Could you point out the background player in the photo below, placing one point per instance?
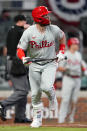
(40, 40)
(71, 80)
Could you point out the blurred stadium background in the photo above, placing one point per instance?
(69, 15)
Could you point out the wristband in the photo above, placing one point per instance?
(20, 53)
(62, 48)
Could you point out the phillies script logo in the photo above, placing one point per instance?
(76, 62)
(43, 44)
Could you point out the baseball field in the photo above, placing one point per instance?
(50, 123)
(26, 128)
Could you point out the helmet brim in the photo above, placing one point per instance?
(46, 13)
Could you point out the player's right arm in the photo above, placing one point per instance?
(62, 42)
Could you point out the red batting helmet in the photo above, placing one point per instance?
(38, 14)
(72, 41)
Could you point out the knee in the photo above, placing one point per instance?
(47, 88)
(65, 100)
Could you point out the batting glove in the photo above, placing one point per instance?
(24, 60)
(60, 56)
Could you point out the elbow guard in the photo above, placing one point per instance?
(20, 53)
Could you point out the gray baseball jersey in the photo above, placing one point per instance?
(70, 85)
(40, 45)
(73, 64)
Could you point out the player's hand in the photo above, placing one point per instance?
(60, 56)
(24, 60)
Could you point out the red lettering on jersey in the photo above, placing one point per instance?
(76, 62)
(43, 44)
(33, 37)
(32, 43)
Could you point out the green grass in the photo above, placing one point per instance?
(26, 128)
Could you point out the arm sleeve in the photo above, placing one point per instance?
(24, 41)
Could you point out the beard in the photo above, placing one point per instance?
(44, 24)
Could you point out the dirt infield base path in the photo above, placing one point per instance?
(46, 123)
(80, 117)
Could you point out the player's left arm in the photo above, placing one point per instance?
(62, 42)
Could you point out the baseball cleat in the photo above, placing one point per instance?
(37, 115)
(2, 113)
(36, 124)
(71, 120)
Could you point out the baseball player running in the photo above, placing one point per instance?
(39, 41)
(71, 80)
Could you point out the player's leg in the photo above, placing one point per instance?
(75, 98)
(67, 86)
(35, 79)
(47, 81)
(72, 113)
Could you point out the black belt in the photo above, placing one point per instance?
(44, 63)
